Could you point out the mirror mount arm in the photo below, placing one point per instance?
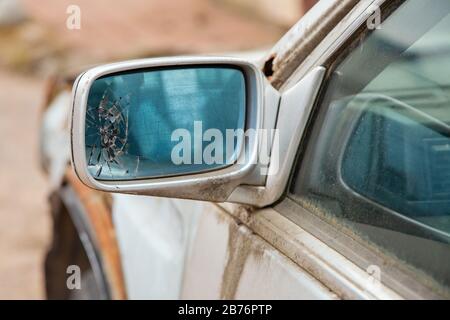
(295, 109)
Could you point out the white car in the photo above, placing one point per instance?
(340, 189)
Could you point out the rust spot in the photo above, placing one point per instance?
(304, 38)
(268, 66)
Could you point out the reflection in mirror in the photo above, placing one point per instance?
(396, 155)
(162, 122)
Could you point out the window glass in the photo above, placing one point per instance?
(378, 154)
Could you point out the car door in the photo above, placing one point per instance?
(366, 213)
(241, 253)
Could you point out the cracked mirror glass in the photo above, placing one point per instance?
(164, 122)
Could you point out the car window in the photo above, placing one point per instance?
(377, 156)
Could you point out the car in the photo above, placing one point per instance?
(335, 186)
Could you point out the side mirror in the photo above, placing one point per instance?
(170, 127)
(190, 127)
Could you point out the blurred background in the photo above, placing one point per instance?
(39, 40)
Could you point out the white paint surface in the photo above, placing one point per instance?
(153, 237)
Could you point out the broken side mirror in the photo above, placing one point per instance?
(193, 127)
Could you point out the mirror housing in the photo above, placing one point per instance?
(261, 167)
(214, 183)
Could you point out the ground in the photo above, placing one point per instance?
(109, 30)
(24, 219)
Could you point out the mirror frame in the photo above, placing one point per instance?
(214, 185)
